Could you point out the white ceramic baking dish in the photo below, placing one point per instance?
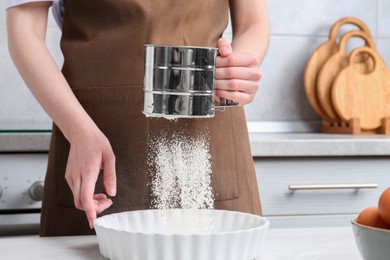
(174, 235)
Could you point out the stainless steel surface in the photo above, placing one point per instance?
(179, 79)
(23, 223)
(178, 105)
(21, 177)
(227, 103)
(18, 172)
(17, 142)
(180, 82)
(333, 186)
(180, 56)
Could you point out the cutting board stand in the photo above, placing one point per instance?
(353, 127)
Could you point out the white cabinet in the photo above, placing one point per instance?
(329, 190)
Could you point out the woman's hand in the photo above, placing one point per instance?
(90, 153)
(237, 74)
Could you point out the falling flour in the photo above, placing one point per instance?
(181, 178)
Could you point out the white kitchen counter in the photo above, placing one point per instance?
(282, 244)
(263, 145)
(318, 144)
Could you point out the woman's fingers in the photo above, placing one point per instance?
(237, 60)
(241, 97)
(224, 47)
(244, 73)
(102, 204)
(74, 183)
(237, 76)
(87, 194)
(237, 85)
(83, 188)
(93, 204)
(76, 189)
(99, 196)
(109, 177)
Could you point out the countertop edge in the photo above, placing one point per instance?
(25, 142)
(262, 145)
(318, 144)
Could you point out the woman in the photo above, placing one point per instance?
(96, 100)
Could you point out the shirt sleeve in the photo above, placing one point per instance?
(11, 3)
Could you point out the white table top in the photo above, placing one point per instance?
(282, 244)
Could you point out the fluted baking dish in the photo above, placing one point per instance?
(158, 235)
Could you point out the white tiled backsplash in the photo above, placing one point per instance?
(298, 28)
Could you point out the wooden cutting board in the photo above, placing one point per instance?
(318, 58)
(362, 95)
(334, 65)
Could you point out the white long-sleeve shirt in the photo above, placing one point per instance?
(57, 7)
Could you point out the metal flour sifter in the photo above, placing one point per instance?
(180, 82)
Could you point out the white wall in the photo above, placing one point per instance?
(298, 28)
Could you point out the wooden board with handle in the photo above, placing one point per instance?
(334, 65)
(318, 58)
(362, 95)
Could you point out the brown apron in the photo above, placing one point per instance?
(103, 45)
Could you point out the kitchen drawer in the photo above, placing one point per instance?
(310, 221)
(275, 175)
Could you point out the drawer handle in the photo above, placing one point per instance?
(333, 186)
